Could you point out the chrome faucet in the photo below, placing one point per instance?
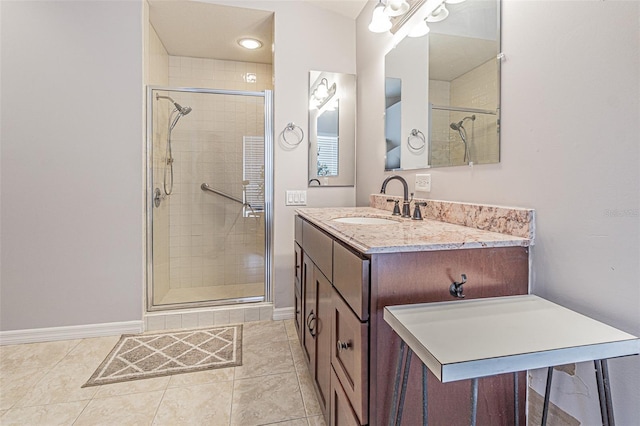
(405, 202)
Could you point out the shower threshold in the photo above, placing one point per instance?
(220, 294)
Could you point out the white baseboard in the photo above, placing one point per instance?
(34, 335)
(283, 313)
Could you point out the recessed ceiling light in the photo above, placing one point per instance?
(250, 43)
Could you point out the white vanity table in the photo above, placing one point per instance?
(484, 337)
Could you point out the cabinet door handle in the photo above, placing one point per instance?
(342, 346)
(312, 324)
(311, 319)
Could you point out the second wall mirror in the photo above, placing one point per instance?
(442, 89)
(332, 128)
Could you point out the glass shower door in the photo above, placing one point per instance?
(209, 231)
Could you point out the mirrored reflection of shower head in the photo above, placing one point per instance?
(457, 126)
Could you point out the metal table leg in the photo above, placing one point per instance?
(474, 401)
(397, 403)
(403, 391)
(516, 399)
(425, 412)
(547, 395)
(604, 392)
(393, 413)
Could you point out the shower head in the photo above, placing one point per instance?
(182, 110)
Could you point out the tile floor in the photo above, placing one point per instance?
(40, 385)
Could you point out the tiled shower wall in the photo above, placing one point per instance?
(475, 89)
(478, 89)
(211, 241)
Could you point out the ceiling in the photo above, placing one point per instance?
(205, 30)
(348, 8)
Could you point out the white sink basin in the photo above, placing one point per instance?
(364, 220)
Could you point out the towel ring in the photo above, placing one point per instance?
(292, 128)
(415, 133)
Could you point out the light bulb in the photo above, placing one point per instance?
(321, 90)
(380, 22)
(421, 29)
(396, 7)
(250, 43)
(439, 14)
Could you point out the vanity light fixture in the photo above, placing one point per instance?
(321, 90)
(250, 43)
(322, 94)
(440, 13)
(380, 21)
(421, 29)
(396, 7)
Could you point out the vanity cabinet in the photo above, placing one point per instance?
(352, 353)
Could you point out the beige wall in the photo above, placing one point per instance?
(71, 173)
(570, 99)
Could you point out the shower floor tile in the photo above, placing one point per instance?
(205, 293)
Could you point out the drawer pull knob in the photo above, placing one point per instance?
(343, 346)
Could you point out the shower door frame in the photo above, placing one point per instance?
(268, 199)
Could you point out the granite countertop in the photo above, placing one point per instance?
(406, 235)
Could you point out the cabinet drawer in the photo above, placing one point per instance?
(341, 411)
(319, 247)
(351, 279)
(298, 229)
(349, 359)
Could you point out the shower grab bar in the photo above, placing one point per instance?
(459, 109)
(206, 187)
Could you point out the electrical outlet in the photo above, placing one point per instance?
(423, 182)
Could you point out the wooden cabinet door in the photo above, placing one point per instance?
(341, 412)
(310, 311)
(322, 371)
(297, 293)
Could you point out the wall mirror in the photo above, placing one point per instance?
(442, 89)
(332, 128)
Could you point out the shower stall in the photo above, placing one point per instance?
(209, 192)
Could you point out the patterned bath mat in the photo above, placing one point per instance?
(141, 356)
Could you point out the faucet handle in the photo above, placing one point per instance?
(396, 207)
(417, 214)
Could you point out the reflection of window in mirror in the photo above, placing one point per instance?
(392, 123)
(327, 128)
